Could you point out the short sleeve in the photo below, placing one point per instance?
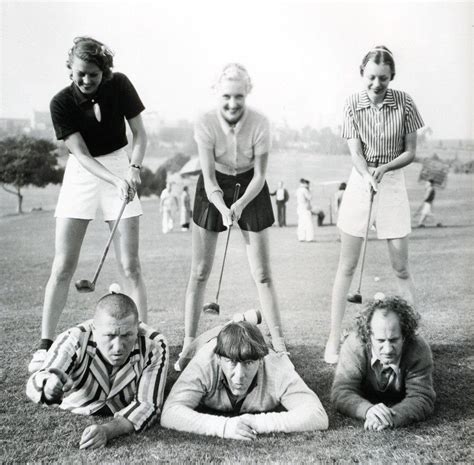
(130, 101)
(413, 120)
(349, 129)
(203, 134)
(64, 122)
(263, 138)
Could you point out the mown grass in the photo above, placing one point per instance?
(441, 261)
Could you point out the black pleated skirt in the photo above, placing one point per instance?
(256, 216)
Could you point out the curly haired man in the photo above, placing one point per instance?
(384, 374)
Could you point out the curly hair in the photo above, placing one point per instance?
(234, 72)
(379, 55)
(241, 341)
(92, 51)
(407, 316)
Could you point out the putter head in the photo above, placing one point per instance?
(354, 298)
(83, 285)
(212, 308)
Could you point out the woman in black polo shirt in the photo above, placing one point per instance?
(89, 115)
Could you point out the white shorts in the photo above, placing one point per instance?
(426, 209)
(83, 194)
(390, 210)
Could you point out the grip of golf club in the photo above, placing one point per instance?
(109, 241)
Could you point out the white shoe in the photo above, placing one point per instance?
(330, 357)
(37, 361)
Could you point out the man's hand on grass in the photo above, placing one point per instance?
(242, 428)
(379, 417)
(93, 437)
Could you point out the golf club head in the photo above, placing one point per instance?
(355, 298)
(83, 285)
(212, 308)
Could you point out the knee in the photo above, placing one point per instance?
(348, 269)
(63, 269)
(131, 269)
(262, 276)
(200, 273)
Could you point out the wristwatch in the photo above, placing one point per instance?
(137, 167)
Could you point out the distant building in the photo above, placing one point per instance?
(15, 126)
(41, 120)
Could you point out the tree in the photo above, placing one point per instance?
(27, 161)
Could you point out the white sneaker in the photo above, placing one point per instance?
(37, 361)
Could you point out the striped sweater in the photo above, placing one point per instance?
(135, 392)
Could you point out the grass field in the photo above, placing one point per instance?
(441, 261)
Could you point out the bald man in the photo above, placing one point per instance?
(110, 365)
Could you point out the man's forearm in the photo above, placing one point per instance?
(118, 427)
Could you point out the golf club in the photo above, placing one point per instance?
(83, 285)
(213, 307)
(356, 297)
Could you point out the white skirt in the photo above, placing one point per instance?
(390, 210)
(82, 194)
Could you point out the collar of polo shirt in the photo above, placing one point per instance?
(80, 98)
(226, 127)
(364, 101)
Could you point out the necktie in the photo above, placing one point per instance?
(386, 375)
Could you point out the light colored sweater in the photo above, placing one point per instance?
(355, 388)
(278, 384)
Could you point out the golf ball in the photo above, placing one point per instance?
(379, 296)
(114, 288)
(376, 279)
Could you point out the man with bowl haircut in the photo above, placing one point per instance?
(232, 381)
(111, 365)
(384, 374)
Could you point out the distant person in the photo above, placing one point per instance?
(89, 116)
(339, 195)
(281, 197)
(380, 125)
(427, 206)
(385, 369)
(112, 365)
(305, 230)
(234, 143)
(169, 206)
(185, 211)
(234, 384)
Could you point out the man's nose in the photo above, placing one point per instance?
(387, 348)
(117, 344)
(233, 103)
(239, 371)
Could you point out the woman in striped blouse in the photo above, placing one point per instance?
(380, 125)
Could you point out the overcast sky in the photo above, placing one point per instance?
(303, 56)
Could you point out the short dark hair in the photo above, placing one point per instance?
(407, 316)
(118, 306)
(92, 51)
(241, 341)
(379, 55)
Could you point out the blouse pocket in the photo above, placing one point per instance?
(247, 153)
(219, 152)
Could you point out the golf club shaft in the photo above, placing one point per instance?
(236, 196)
(111, 236)
(364, 247)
